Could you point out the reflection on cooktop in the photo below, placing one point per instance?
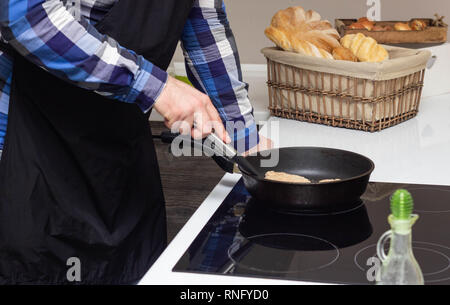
(258, 220)
(243, 238)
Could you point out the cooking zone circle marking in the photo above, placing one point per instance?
(417, 245)
(438, 204)
(296, 255)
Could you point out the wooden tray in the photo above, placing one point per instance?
(431, 34)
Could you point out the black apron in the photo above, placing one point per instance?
(79, 179)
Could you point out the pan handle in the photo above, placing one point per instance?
(431, 62)
(219, 147)
(225, 164)
(228, 152)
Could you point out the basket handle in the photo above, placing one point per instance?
(431, 62)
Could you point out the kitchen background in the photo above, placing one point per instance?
(187, 181)
(249, 18)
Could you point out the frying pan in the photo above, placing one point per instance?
(314, 163)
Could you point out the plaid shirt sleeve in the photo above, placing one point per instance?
(213, 66)
(48, 35)
(5, 81)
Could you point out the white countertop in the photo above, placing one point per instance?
(416, 151)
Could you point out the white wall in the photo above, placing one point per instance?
(249, 18)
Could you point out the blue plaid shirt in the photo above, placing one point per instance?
(60, 37)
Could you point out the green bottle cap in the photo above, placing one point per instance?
(402, 204)
(184, 79)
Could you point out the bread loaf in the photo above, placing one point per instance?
(384, 28)
(357, 26)
(368, 24)
(366, 49)
(418, 25)
(297, 30)
(399, 26)
(362, 24)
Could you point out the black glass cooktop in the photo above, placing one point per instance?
(244, 239)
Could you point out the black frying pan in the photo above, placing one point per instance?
(314, 163)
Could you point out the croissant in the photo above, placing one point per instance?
(365, 48)
(294, 29)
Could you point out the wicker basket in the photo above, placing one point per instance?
(362, 96)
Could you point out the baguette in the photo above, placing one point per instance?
(300, 31)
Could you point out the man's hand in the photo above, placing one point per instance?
(189, 111)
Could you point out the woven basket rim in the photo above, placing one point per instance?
(412, 61)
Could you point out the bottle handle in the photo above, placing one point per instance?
(380, 246)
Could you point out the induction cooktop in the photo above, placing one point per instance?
(245, 239)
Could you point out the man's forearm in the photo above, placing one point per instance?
(48, 35)
(213, 66)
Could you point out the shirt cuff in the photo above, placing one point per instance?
(244, 135)
(147, 85)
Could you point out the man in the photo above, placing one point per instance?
(79, 181)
